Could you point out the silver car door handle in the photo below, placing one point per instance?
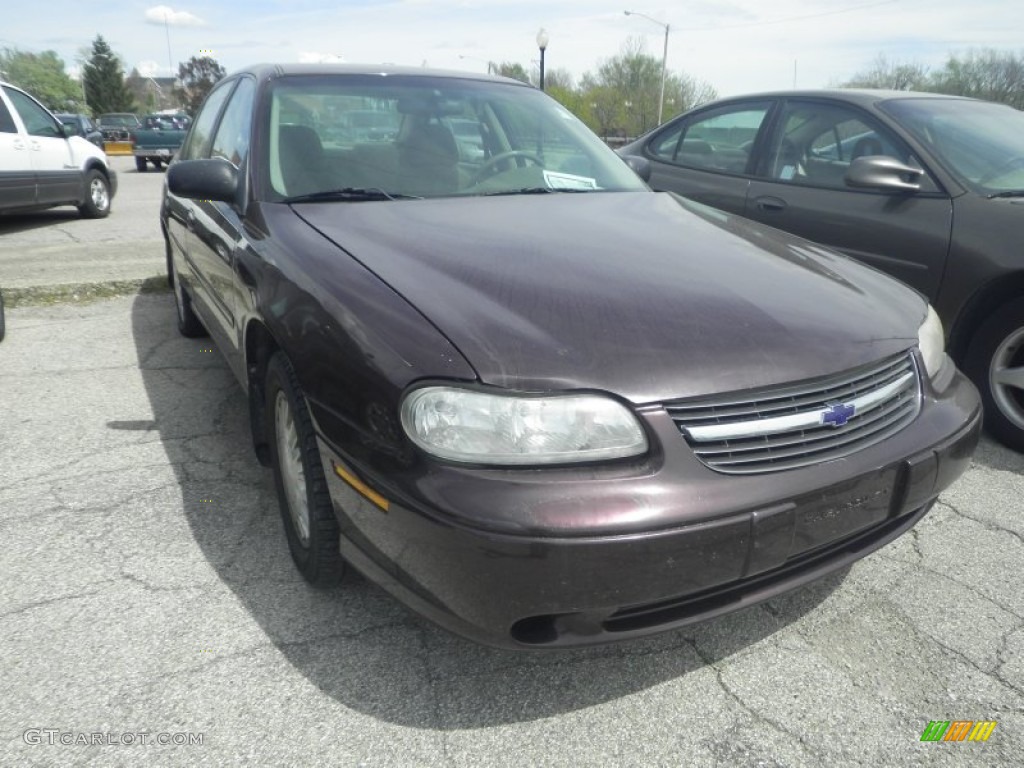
(769, 203)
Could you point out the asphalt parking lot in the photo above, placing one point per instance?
(147, 595)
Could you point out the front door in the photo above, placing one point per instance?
(17, 179)
(58, 178)
(800, 188)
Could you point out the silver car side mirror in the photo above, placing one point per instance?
(884, 173)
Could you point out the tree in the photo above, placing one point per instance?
(621, 98)
(103, 77)
(42, 75)
(690, 91)
(197, 76)
(985, 74)
(636, 78)
(512, 69)
(896, 76)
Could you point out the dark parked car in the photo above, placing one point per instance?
(118, 126)
(925, 187)
(538, 402)
(82, 125)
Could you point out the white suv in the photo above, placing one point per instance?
(41, 167)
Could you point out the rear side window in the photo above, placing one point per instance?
(717, 140)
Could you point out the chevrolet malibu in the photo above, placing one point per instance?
(537, 402)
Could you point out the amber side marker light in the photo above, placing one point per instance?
(361, 487)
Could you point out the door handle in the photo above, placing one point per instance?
(190, 221)
(770, 204)
(19, 144)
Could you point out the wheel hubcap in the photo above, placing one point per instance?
(98, 192)
(292, 473)
(1006, 377)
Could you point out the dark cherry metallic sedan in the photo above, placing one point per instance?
(536, 401)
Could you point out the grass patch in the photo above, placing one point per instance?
(84, 293)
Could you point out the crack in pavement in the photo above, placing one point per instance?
(759, 717)
(25, 607)
(986, 524)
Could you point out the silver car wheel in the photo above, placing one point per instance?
(293, 475)
(99, 195)
(1006, 377)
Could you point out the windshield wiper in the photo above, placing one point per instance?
(535, 191)
(349, 194)
(1007, 193)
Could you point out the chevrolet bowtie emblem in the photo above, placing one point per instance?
(837, 414)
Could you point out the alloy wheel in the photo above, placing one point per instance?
(1006, 377)
(99, 195)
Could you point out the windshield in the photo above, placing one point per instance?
(980, 143)
(410, 136)
(119, 121)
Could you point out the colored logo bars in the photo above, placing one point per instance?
(958, 730)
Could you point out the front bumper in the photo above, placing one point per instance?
(149, 153)
(560, 558)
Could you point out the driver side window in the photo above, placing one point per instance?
(817, 142)
(38, 122)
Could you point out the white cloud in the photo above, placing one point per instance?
(162, 14)
(148, 68)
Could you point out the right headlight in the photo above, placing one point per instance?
(932, 343)
(480, 427)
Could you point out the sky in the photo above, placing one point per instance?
(737, 46)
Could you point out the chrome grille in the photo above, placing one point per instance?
(784, 427)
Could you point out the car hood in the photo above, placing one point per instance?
(645, 295)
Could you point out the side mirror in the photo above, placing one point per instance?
(641, 166)
(214, 179)
(884, 173)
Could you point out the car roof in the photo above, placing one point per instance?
(268, 71)
(861, 96)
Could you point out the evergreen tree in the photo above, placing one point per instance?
(105, 89)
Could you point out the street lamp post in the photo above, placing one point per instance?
(542, 43)
(664, 58)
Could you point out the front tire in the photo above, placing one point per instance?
(97, 196)
(995, 363)
(302, 495)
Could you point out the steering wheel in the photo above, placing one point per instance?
(489, 168)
